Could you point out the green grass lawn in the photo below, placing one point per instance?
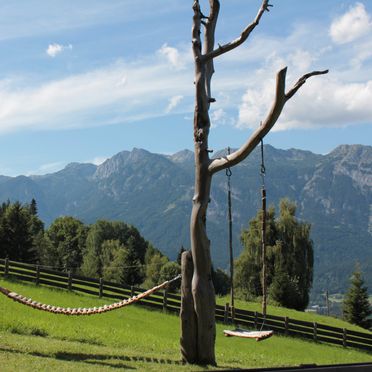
(130, 338)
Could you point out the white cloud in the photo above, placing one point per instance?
(173, 56)
(301, 60)
(173, 103)
(352, 25)
(330, 102)
(321, 102)
(117, 93)
(54, 49)
(362, 53)
(221, 117)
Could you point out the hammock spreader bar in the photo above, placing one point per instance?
(83, 311)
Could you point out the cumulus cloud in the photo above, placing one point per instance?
(322, 102)
(351, 25)
(173, 103)
(173, 56)
(338, 99)
(54, 49)
(221, 117)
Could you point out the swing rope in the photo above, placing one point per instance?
(263, 233)
(228, 175)
(83, 311)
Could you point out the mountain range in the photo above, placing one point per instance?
(154, 193)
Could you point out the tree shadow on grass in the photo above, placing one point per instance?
(97, 359)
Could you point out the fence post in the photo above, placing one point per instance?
(37, 278)
(131, 291)
(232, 310)
(286, 325)
(255, 319)
(344, 337)
(315, 334)
(165, 299)
(100, 287)
(226, 313)
(69, 285)
(6, 268)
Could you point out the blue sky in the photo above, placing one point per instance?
(83, 80)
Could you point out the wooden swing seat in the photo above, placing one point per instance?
(258, 335)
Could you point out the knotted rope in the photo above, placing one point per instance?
(83, 311)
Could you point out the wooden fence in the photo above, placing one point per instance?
(171, 302)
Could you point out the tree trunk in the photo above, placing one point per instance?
(202, 286)
(187, 314)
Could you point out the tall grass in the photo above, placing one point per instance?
(132, 338)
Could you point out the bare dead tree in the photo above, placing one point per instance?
(198, 303)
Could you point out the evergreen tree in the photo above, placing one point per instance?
(33, 207)
(37, 230)
(16, 236)
(179, 255)
(221, 282)
(356, 307)
(20, 231)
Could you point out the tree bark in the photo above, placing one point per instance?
(187, 314)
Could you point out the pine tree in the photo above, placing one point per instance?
(356, 306)
(33, 207)
(179, 255)
(16, 235)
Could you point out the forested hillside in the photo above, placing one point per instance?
(153, 192)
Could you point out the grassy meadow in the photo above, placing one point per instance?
(131, 338)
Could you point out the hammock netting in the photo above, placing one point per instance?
(83, 311)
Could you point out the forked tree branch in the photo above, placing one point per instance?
(243, 36)
(281, 99)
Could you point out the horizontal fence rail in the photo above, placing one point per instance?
(171, 302)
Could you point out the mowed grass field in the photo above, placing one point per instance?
(132, 338)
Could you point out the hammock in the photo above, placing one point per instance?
(258, 335)
(83, 311)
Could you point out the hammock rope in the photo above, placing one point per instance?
(83, 311)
